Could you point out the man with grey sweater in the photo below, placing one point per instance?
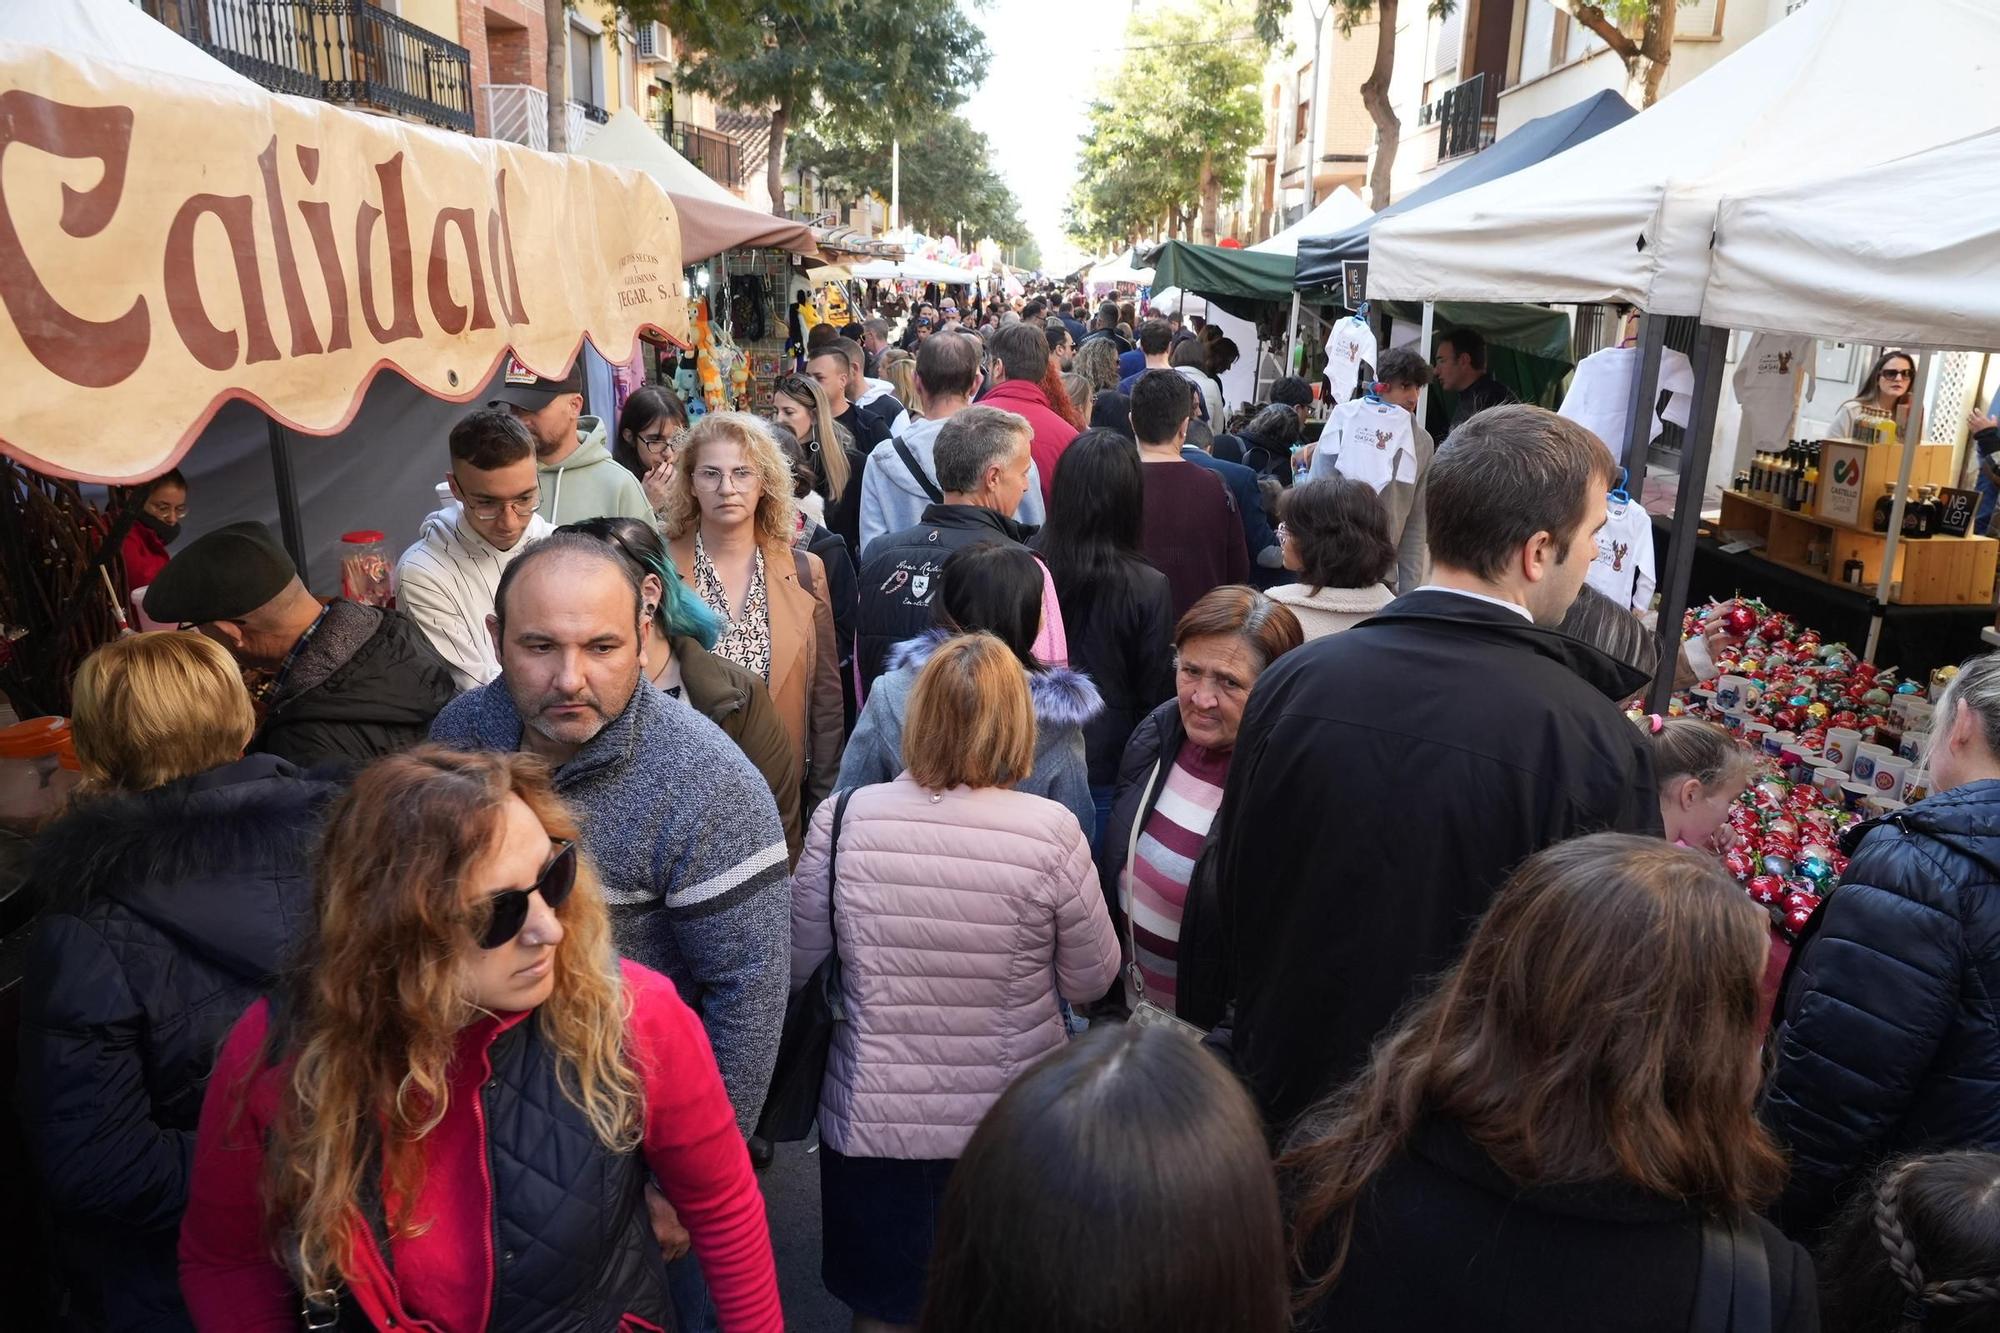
(680, 826)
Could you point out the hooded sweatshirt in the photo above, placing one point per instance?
(1064, 700)
(445, 583)
(590, 483)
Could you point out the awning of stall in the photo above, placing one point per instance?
(1322, 252)
(914, 270)
(169, 245)
(712, 219)
(1119, 270)
(1628, 216)
(1890, 255)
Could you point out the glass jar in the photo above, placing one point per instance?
(38, 770)
(365, 571)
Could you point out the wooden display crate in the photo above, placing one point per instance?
(1932, 571)
(1853, 476)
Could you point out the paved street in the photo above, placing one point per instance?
(791, 1200)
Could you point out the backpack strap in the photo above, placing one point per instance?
(917, 470)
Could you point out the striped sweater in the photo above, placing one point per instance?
(1156, 880)
(685, 837)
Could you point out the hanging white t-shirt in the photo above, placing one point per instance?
(1367, 441)
(1623, 569)
(1351, 344)
(1600, 393)
(1767, 384)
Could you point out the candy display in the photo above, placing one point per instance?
(365, 572)
(1842, 742)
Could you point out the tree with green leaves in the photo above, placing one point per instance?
(947, 184)
(885, 65)
(1639, 32)
(1168, 132)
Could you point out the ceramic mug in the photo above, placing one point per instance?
(1841, 743)
(1889, 776)
(1865, 758)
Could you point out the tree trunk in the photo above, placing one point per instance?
(555, 21)
(1211, 197)
(1648, 71)
(1375, 96)
(774, 168)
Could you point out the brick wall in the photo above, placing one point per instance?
(507, 43)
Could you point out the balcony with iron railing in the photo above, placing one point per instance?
(1465, 116)
(719, 156)
(519, 113)
(346, 51)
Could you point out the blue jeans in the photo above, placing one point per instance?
(1101, 798)
(694, 1312)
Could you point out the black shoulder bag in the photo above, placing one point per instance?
(792, 1105)
(917, 470)
(1733, 1292)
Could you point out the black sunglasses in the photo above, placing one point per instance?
(509, 907)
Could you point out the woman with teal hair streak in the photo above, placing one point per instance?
(678, 662)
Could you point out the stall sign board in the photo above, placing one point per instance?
(1840, 470)
(1958, 508)
(1354, 282)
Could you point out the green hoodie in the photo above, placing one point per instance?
(590, 483)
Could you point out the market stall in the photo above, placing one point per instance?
(1630, 216)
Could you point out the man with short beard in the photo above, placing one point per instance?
(681, 828)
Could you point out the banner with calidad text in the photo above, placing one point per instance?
(168, 245)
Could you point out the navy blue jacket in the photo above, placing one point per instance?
(1888, 1040)
(168, 913)
(1242, 483)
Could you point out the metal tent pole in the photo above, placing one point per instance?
(1710, 352)
(290, 530)
(1294, 354)
(1884, 584)
(1424, 350)
(1645, 394)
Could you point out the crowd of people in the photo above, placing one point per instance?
(1241, 898)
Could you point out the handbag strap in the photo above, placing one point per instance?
(917, 470)
(833, 857)
(1733, 1289)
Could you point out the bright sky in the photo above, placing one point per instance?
(1046, 56)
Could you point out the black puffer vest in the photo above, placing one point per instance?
(573, 1251)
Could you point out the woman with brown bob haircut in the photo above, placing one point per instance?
(1540, 1141)
(963, 912)
(449, 1118)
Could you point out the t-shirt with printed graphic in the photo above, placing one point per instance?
(1350, 346)
(1623, 569)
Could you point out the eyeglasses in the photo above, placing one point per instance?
(658, 444)
(710, 478)
(509, 908)
(522, 507)
(1897, 374)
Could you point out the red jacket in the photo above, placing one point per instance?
(442, 1278)
(1052, 433)
(145, 555)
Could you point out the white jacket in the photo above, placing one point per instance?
(445, 583)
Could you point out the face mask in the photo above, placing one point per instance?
(168, 533)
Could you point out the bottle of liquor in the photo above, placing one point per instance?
(1851, 571)
(1913, 517)
(1930, 511)
(1756, 486)
(1812, 479)
(1884, 505)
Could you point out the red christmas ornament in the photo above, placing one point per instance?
(1766, 888)
(1740, 620)
(1773, 628)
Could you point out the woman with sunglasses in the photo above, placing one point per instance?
(653, 418)
(1884, 396)
(800, 406)
(455, 1113)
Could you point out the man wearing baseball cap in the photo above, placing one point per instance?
(351, 682)
(579, 477)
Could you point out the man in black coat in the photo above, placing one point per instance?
(1388, 778)
(983, 469)
(350, 682)
(1887, 1037)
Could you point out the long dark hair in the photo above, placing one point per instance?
(1600, 1026)
(1925, 1236)
(1096, 519)
(1870, 386)
(1122, 1183)
(993, 588)
(648, 403)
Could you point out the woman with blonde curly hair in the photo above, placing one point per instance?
(450, 1117)
(731, 519)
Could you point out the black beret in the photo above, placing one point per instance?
(222, 575)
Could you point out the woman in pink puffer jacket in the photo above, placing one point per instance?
(963, 911)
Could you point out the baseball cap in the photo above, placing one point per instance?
(221, 575)
(523, 388)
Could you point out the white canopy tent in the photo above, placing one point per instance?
(1117, 270)
(712, 219)
(916, 270)
(113, 30)
(1892, 255)
(1627, 216)
(1337, 212)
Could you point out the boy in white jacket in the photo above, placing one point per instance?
(445, 581)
